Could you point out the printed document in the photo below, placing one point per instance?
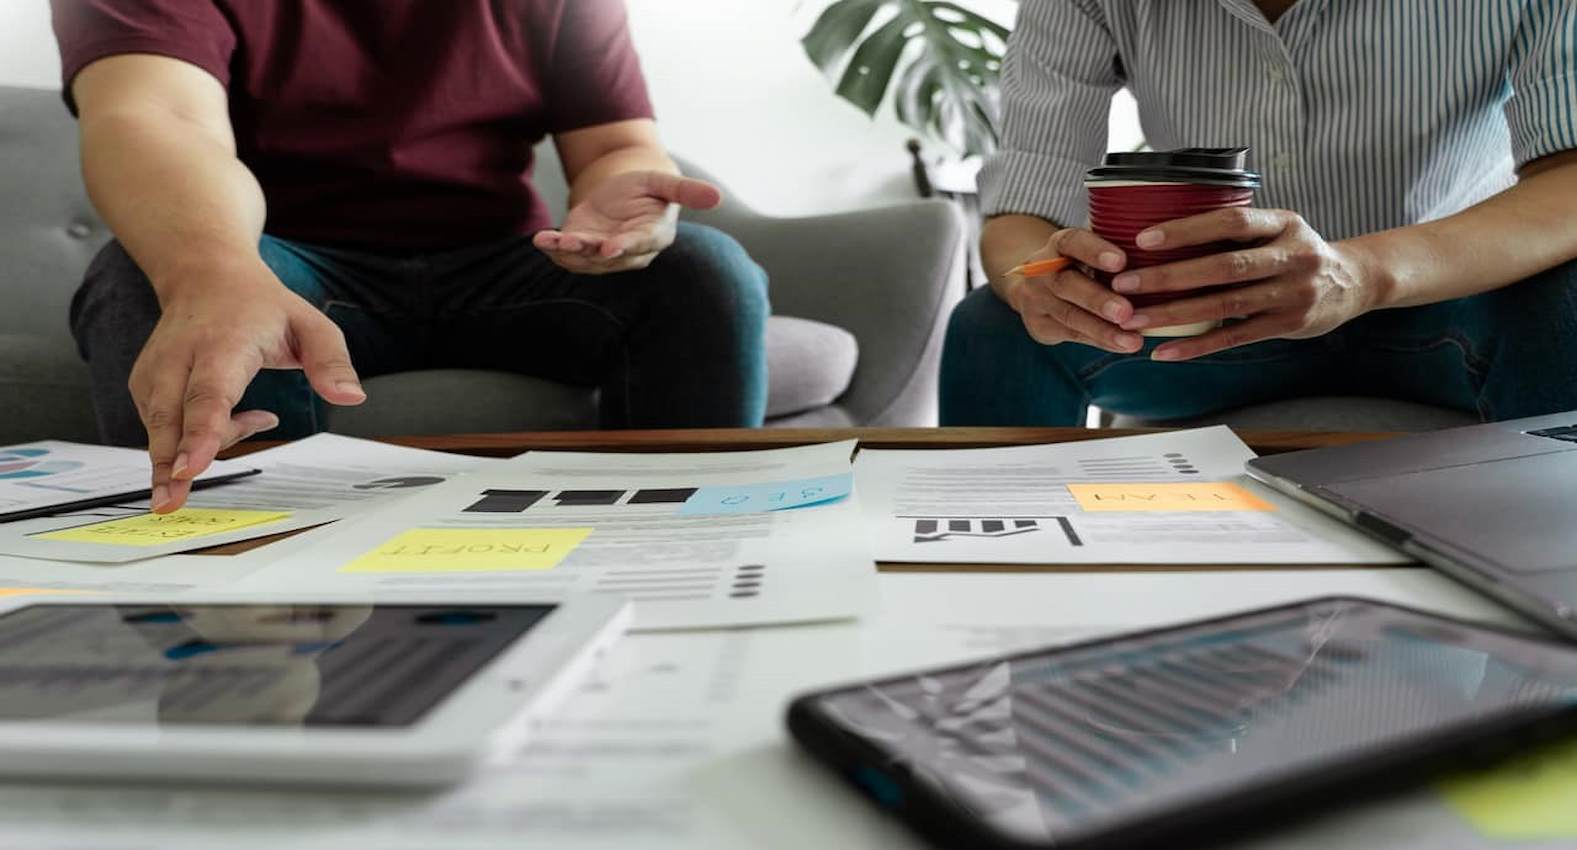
(309, 482)
(1176, 498)
(696, 540)
(37, 479)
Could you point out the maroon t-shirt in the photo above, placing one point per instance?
(398, 124)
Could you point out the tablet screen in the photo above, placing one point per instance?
(1047, 747)
(246, 665)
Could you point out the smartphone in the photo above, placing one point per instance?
(1189, 733)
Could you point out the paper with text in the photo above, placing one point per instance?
(53, 475)
(681, 570)
(1176, 498)
(314, 481)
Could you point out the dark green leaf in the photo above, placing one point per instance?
(865, 81)
(837, 30)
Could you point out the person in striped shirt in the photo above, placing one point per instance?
(1414, 237)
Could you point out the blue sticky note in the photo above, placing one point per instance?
(770, 496)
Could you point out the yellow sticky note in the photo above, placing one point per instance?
(1204, 496)
(1526, 798)
(470, 550)
(34, 591)
(159, 529)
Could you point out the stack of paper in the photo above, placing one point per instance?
(1177, 498)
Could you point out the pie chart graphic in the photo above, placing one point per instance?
(402, 483)
(17, 464)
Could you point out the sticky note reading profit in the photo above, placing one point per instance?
(1204, 496)
(470, 550)
(159, 529)
(1524, 799)
(770, 496)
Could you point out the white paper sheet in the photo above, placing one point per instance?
(1014, 506)
(678, 741)
(316, 480)
(43, 475)
(682, 571)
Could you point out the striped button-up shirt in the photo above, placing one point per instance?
(1362, 115)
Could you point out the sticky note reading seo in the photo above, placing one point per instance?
(1524, 799)
(470, 550)
(1168, 498)
(159, 529)
(770, 496)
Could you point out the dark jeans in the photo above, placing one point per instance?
(680, 344)
(1504, 354)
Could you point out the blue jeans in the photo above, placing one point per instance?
(1504, 354)
(679, 344)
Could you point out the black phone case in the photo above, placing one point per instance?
(939, 819)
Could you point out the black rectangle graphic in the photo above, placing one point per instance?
(506, 501)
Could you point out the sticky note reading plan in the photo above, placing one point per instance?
(468, 550)
(159, 529)
(1524, 799)
(1204, 496)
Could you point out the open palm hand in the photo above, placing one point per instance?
(624, 222)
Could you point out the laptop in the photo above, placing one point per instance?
(1492, 505)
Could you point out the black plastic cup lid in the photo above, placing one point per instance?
(1202, 166)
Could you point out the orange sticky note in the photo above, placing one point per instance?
(1168, 498)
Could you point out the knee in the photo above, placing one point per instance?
(1540, 311)
(709, 272)
(115, 299)
(981, 321)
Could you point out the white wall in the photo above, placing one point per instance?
(734, 92)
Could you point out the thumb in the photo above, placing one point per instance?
(323, 356)
(684, 191)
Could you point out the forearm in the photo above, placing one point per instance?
(620, 161)
(1006, 241)
(175, 196)
(1513, 236)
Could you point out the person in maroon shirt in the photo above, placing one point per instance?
(308, 192)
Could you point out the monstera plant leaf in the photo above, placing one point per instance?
(941, 60)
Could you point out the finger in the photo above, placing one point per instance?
(1079, 322)
(248, 424)
(684, 191)
(1234, 224)
(1234, 303)
(547, 240)
(212, 392)
(323, 356)
(1070, 285)
(161, 416)
(583, 243)
(1268, 326)
(1227, 267)
(1086, 247)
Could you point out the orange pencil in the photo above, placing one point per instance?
(1040, 268)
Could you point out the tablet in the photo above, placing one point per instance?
(1191, 733)
(313, 690)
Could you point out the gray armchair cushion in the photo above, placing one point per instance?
(809, 364)
(1336, 413)
(44, 392)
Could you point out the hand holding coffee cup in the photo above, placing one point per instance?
(1059, 302)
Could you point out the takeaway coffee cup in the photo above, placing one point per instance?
(1131, 192)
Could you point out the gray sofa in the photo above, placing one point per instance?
(860, 302)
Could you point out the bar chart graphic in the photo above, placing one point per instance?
(943, 529)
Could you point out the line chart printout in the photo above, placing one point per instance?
(53, 475)
(309, 482)
(1176, 498)
(695, 540)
